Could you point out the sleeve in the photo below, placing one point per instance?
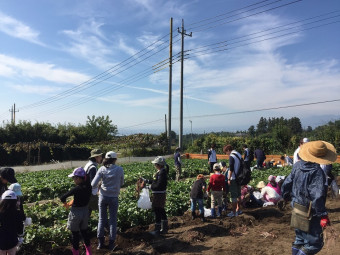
(122, 179)
(67, 194)
(209, 153)
(96, 179)
(287, 185)
(317, 191)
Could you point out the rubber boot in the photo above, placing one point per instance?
(219, 213)
(112, 245)
(213, 215)
(75, 252)
(157, 229)
(193, 215)
(88, 249)
(100, 243)
(164, 227)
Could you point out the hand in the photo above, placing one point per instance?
(66, 205)
(325, 221)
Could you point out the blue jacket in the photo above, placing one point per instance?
(306, 183)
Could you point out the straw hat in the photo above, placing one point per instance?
(261, 185)
(320, 152)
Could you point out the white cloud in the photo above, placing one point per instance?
(125, 99)
(29, 69)
(88, 42)
(38, 90)
(16, 28)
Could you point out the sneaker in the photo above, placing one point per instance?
(239, 212)
(231, 214)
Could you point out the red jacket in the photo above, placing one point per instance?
(217, 182)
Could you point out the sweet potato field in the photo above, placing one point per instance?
(42, 189)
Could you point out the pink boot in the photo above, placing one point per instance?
(75, 252)
(88, 249)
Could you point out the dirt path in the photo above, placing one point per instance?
(73, 164)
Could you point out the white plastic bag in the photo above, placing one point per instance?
(207, 212)
(144, 200)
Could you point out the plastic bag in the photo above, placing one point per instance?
(335, 188)
(207, 212)
(144, 200)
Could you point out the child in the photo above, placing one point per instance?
(79, 214)
(10, 223)
(217, 187)
(16, 188)
(197, 195)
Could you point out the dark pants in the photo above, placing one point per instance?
(158, 203)
(259, 162)
(76, 237)
(212, 166)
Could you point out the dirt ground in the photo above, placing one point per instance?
(258, 231)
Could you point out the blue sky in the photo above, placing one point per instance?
(61, 61)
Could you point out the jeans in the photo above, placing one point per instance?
(312, 241)
(198, 201)
(105, 203)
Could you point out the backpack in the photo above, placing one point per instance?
(243, 176)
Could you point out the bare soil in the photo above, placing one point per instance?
(258, 231)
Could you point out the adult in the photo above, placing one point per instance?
(112, 177)
(217, 187)
(296, 157)
(178, 163)
(212, 158)
(158, 188)
(91, 169)
(287, 161)
(235, 189)
(246, 156)
(271, 192)
(7, 175)
(260, 157)
(306, 184)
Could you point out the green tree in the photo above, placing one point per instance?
(262, 126)
(100, 128)
(251, 131)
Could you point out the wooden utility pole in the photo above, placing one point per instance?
(170, 89)
(183, 33)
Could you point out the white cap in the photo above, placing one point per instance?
(111, 154)
(159, 161)
(9, 194)
(305, 140)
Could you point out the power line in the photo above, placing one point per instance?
(223, 46)
(264, 109)
(250, 15)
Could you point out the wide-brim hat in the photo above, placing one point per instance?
(96, 153)
(261, 185)
(320, 152)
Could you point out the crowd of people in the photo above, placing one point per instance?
(98, 188)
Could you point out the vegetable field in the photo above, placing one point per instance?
(42, 189)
